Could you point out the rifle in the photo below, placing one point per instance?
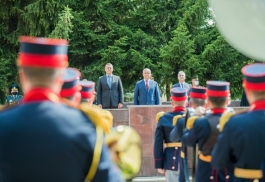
(189, 113)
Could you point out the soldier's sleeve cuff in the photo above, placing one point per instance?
(159, 164)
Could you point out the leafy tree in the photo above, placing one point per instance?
(64, 25)
(226, 63)
(35, 18)
(165, 36)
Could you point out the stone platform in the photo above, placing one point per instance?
(142, 119)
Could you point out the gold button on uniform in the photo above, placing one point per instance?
(174, 158)
(173, 167)
(227, 177)
(255, 180)
(211, 177)
(176, 147)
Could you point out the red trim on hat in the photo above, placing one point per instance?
(49, 61)
(86, 95)
(69, 92)
(178, 98)
(42, 40)
(253, 86)
(197, 95)
(215, 93)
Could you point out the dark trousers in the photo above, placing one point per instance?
(110, 107)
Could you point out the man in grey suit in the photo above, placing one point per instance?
(109, 90)
(146, 91)
(182, 83)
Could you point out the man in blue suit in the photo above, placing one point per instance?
(146, 91)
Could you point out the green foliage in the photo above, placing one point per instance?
(226, 63)
(177, 53)
(64, 26)
(165, 36)
(36, 18)
(128, 97)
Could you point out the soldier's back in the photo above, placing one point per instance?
(48, 142)
(248, 139)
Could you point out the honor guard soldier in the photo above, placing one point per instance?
(87, 91)
(74, 91)
(43, 139)
(197, 98)
(242, 138)
(87, 98)
(204, 132)
(14, 98)
(166, 152)
(70, 92)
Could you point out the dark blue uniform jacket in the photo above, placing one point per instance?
(176, 135)
(242, 142)
(47, 141)
(166, 158)
(199, 134)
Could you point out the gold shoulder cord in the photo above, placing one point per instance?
(97, 152)
(94, 114)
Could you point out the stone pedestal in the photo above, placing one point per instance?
(142, 119)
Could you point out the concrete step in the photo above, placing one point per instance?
(149, 179)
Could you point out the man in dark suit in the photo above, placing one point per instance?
(43, 139)
(182, 83)
(146, 91)
(110, 91)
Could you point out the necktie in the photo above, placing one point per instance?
(109, 81)
(182, 85)
(146, 85)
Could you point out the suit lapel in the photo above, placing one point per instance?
(105, 79)
(150, 85)
(143, 85)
